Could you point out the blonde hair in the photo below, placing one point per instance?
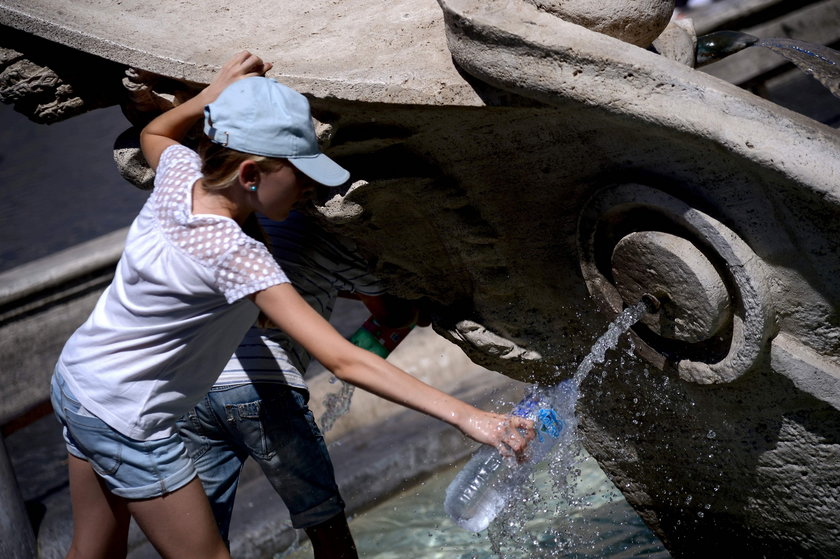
(220, 165)
(220, 170)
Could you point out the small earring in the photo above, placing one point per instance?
(253, 188)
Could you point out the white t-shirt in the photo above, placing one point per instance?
(319, 265)
(174, 312)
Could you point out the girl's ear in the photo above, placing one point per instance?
(249, 174)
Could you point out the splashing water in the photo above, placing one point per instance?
(536, 520)
(819, 62)
(527, 503)
(629, 317)
(594, 522)
(720, 44)
(336, 404)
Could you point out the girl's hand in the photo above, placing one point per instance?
(171, 126)
(241, 65)
(509, 434)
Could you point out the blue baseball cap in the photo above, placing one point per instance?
(259, 116)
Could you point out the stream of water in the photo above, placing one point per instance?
(568, 509)
(559, 500)
(818, 61)
(609, 340)
(336, 404)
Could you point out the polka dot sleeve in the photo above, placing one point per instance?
(247, 269)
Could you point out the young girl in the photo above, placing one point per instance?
(257, 409)
(188, 286)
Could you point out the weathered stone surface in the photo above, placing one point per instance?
(13, 517)
(41, 304)
(52, 82)
(693, 297)
(349, 49)
(636, 21)
(499, 189)
(678, 42)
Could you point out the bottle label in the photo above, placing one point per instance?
(548, 424)
(526, 407)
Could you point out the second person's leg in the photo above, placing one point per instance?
(206, 433)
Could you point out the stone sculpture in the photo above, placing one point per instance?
(553, 174)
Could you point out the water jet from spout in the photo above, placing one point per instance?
(818, 61)
(628, 317)
(720, 44)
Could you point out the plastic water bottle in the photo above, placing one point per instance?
(482, 488)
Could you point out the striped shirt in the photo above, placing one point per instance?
(319, 265)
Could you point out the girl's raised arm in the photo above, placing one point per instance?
(171, 127)
(292, 314)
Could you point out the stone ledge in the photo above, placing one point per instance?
(354, 50)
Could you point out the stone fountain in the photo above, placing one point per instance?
(530, 168)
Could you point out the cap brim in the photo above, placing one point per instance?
(322, 169)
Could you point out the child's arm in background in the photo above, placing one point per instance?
(171, 126)
(292, 314)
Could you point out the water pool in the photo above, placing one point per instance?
(588, 519)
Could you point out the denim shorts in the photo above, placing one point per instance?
(270, 423)
(130, 468)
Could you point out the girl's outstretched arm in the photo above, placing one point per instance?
(359, 367)
(170, 127)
